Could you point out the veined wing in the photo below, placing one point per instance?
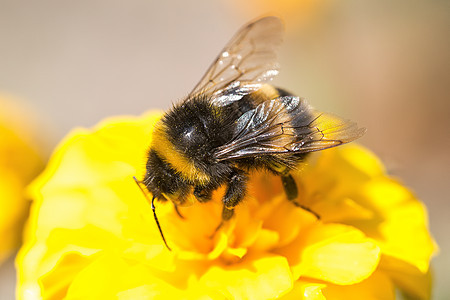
(286, 125)
(248, 60)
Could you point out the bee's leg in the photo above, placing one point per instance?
(227, 213)
(203, 193)
(235, 193)
(290, 187)
(178, 211)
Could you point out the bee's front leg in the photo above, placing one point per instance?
(236, 189)
(204, 193)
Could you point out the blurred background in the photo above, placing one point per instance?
(385, 64)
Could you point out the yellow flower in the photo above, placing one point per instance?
(20, 161)
(92, 235)
(295, 13)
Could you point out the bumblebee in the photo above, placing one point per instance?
(233, 122)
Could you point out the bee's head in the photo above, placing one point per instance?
(164, 183)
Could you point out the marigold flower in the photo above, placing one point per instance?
(20, 161)
(92, 235)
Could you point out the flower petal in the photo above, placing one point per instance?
(56, 282)
(400, 222)
(411, 281)
(22, 147)
(377, 286)
(111, 277)
(102, 279)
(13, 209)
(332, 252)
(263, 277)
(305, 290)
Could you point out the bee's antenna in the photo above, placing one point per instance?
(157, 223)
(154, 211)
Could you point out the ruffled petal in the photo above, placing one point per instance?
(335, 253)
(399, 224)
(378, 286)
(110, 276)
(261, 277)
(408, 278)
(305, 290)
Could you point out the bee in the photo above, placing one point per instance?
(232, 123)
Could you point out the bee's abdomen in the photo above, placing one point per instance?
(251, 101)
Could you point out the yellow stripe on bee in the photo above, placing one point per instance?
(266, 92)
(169, 153)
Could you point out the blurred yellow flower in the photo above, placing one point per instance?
(92, 235)
(20, 161)
(295, 13)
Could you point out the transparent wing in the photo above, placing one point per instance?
(249, 58)
(286, 125)
(234, 92)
